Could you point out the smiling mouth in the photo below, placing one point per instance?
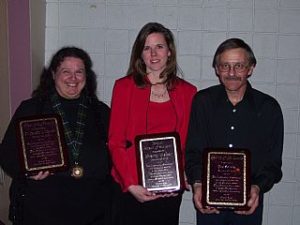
(155, 61)
(71, 85)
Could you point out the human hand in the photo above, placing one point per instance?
(40, 176)
(253, 202)
(167, 195)
(141, 194)
(186, 184)
(197, 198)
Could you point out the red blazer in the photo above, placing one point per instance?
(128, 119)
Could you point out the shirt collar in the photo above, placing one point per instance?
(248, 96)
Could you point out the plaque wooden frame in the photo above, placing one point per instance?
(226, 178)
(159, 162)
(41, 144)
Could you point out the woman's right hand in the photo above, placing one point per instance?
(141, 194)
(40, 176)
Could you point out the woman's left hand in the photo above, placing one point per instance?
(40, 176)
(166, 195)
(142, 194)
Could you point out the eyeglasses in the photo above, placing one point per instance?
(237, 67)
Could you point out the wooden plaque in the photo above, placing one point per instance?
(41, 144)
(226, 178)
(158, 157)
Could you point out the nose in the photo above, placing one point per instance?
(231, 71)
(73, 76)
(153, 51)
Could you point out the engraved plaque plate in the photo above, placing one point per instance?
(41, 144)
(226, 178)
(159, 162)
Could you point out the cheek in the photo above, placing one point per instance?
(59, 78)
(221, 77)
(144, 56)
(58, 81)
(245, 77)
(165, 54)
(83, 83)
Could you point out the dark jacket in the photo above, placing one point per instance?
(61, 199)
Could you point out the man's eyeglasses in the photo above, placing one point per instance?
(237, 67)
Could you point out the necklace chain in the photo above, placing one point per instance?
(159, 95)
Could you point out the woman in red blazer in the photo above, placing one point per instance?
(150, 99)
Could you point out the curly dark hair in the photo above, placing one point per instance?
(137, 67)
(47, 85)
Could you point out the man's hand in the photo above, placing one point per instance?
(186, 184)
(197, 197)
(253, 201)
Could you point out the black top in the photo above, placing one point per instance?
(255, 123)
(61, 199)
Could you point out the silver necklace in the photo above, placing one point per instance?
(159, 95)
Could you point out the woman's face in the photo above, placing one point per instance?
(70, 78)
(155, 53)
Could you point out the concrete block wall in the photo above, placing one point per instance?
(107, 29)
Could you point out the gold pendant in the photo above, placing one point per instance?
(77, 172)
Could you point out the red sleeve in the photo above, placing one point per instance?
(120, 111)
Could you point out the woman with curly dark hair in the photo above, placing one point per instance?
(79, 195)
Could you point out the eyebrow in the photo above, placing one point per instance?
(82, 68)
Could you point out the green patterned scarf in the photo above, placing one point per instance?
(73, 139)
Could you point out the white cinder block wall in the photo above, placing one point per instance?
(107, 29)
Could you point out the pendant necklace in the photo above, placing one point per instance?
(77, 171)
(159, 95)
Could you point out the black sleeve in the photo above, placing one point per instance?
(9, 153)
(102, 118)
(9, 160)
(271, 172)
(197, 139)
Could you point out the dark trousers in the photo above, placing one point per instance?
(231, 218)
(74, 202)
(162, 211)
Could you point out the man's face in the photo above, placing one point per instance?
(233, 70)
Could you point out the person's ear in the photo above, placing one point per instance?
(169, 53)
(216, 71)
(250, 71)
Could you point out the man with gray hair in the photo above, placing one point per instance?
(233, 115)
